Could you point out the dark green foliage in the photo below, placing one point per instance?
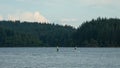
(35, 34)
(9, 38)
(101, 32)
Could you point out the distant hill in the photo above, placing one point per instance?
(34, 34)
(100, 32)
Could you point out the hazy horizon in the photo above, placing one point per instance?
(70, 12)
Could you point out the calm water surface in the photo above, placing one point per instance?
(65, 58)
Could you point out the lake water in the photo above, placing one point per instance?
(65, 58)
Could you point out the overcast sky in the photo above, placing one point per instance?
(71, 12)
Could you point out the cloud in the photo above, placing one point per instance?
(28, 16)
(13, 18)
(38, 17)
(1, 18)
(69, 20)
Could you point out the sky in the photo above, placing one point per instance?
(70, 12)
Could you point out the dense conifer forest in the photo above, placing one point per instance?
(16, 33)
(100, 32)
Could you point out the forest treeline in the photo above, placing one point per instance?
(34, 34)
(100, 32)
